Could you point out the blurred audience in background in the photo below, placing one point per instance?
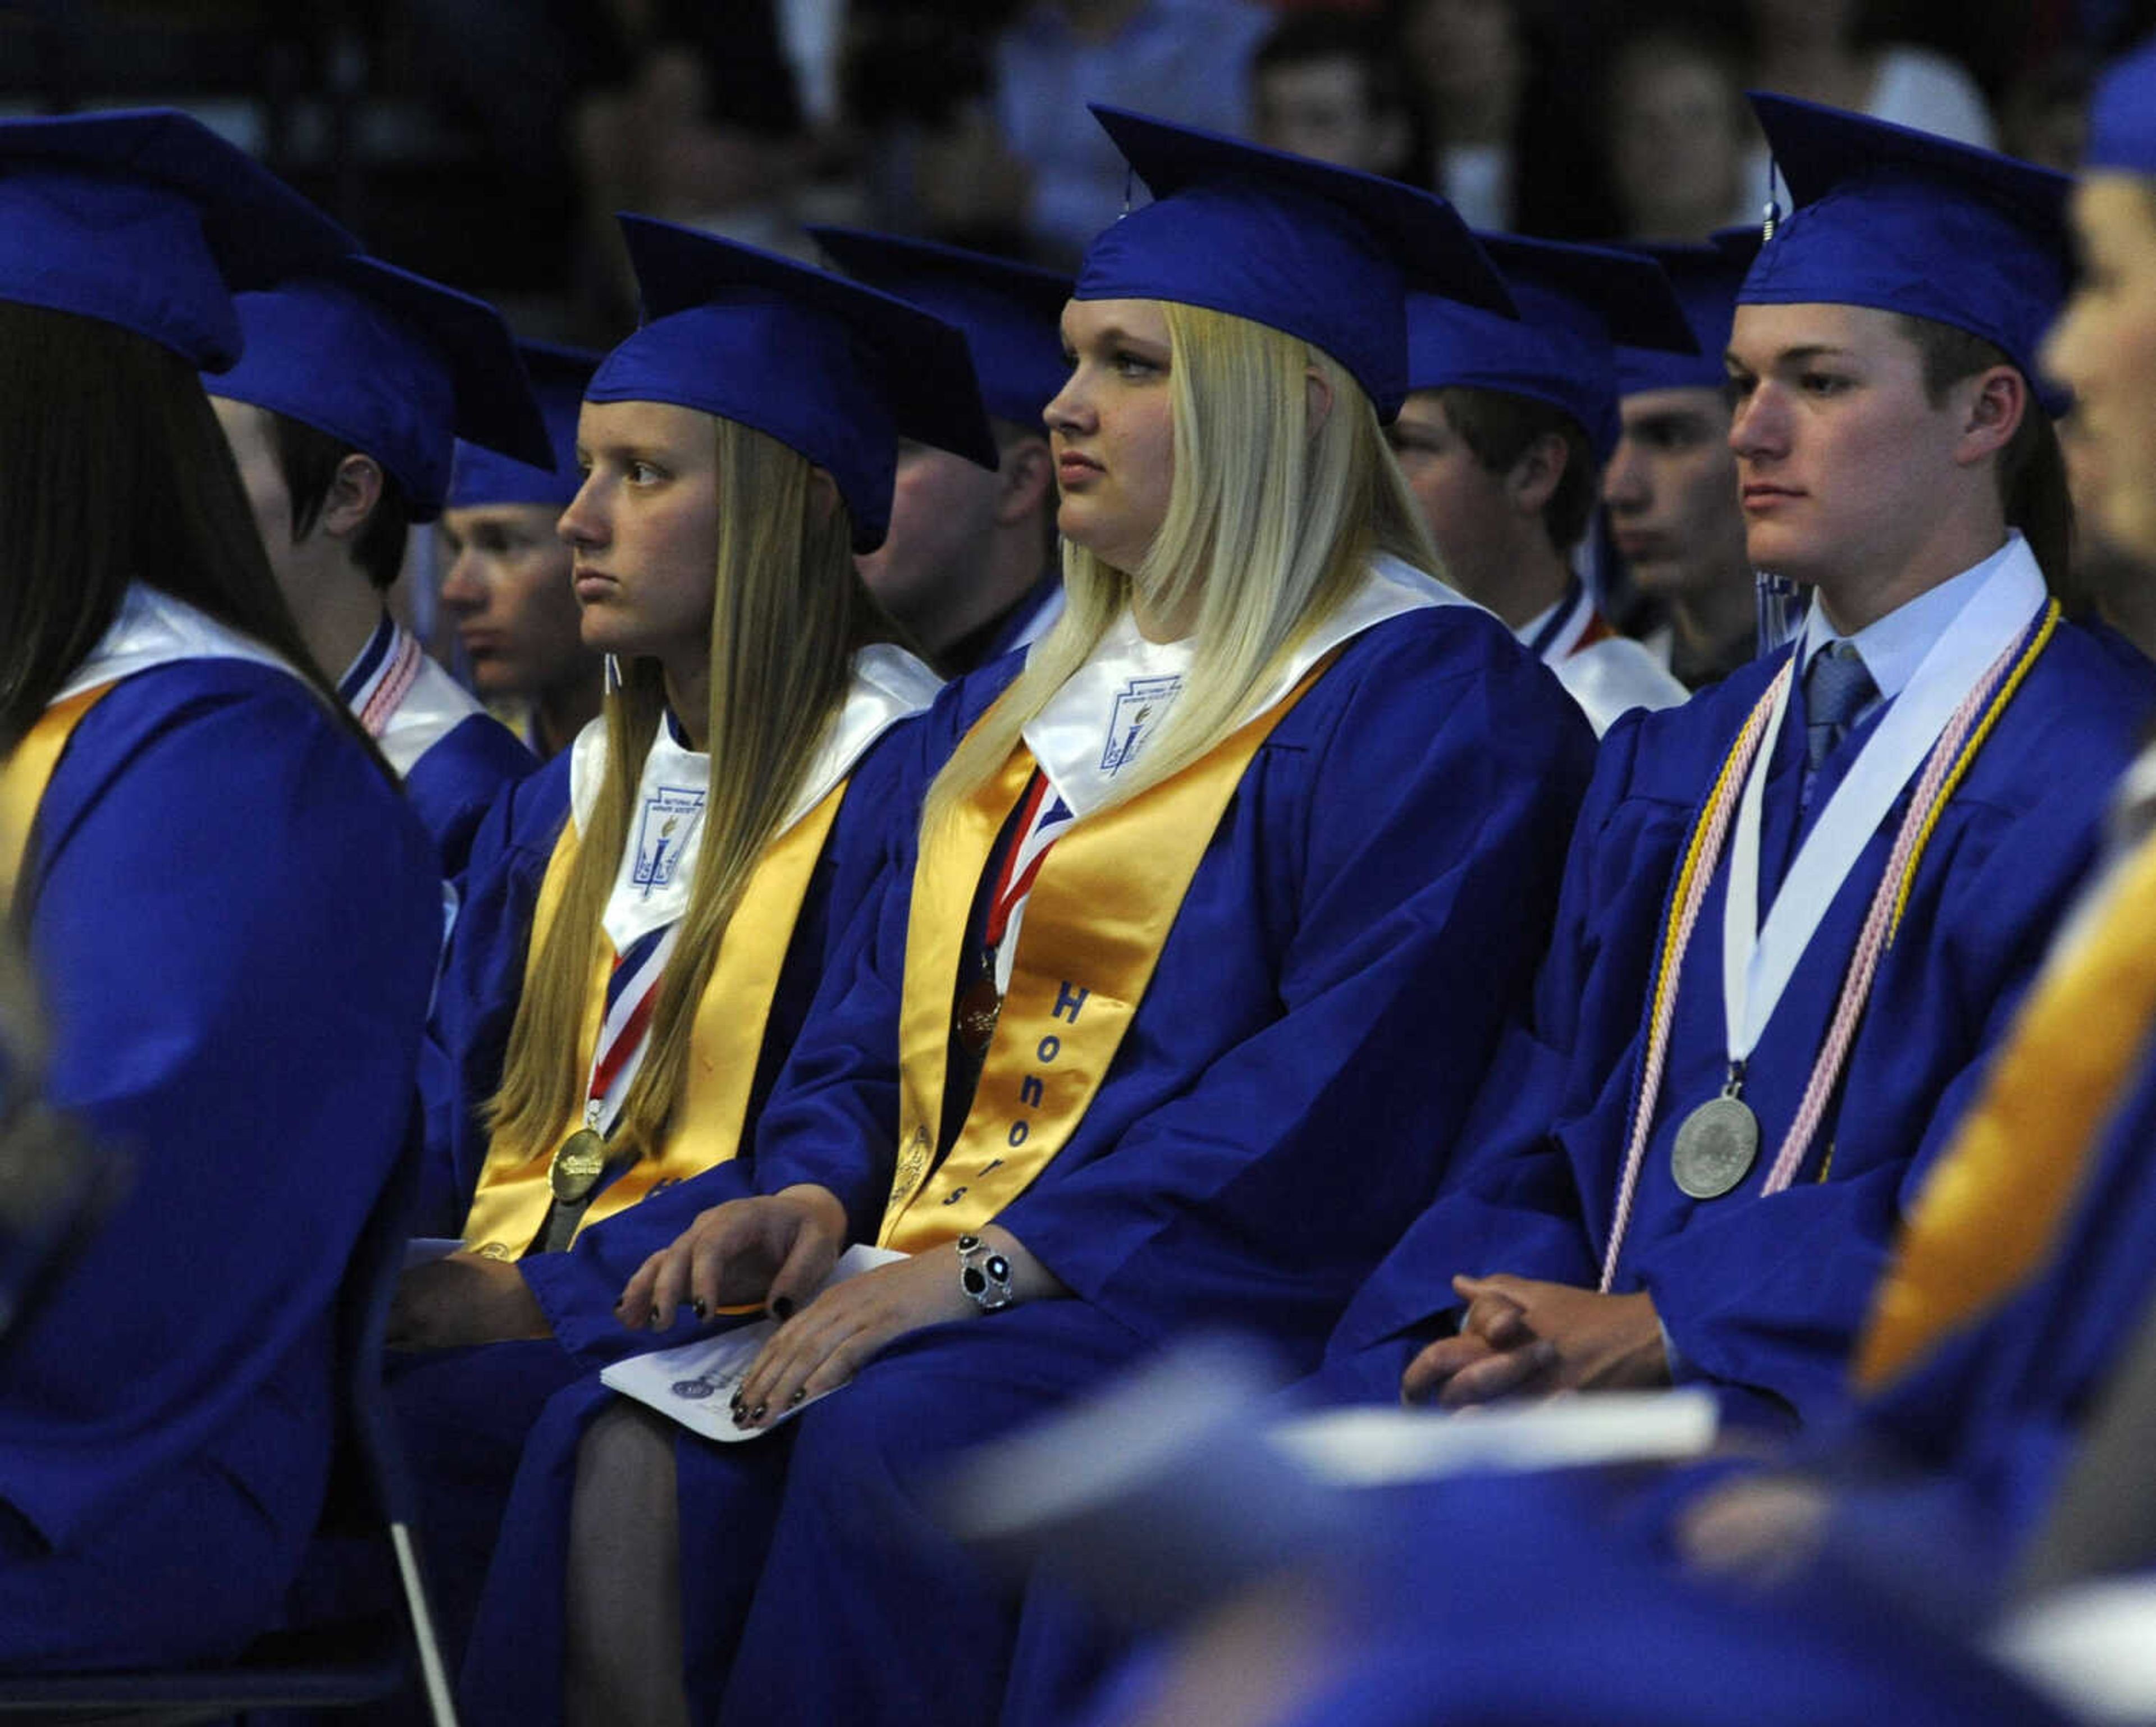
(1676, 129)
(487, 142)
(1326, 84)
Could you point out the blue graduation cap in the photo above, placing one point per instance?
(2122, 116)
(1705, 279)
(1011, 313)
(1320, 252)
(835, 370)
(393, 365)
(558, 376)
(1905, 221)
(1576, 303)
(145, 218)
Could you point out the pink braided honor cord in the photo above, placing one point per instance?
(1706, 852)
(1856, 987)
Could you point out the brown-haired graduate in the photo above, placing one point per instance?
(1216, 907)
(1799, 910)
(232, 916)
(343, 415)
(1508, 423)
(646, 919)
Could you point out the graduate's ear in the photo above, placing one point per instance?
(1317, 399)
(823, 492)
(1026, 476)
(354, 490)
(1996, 400)
(1533, 480)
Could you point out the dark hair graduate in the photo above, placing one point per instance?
(113, 471)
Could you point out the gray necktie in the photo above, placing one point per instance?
(1836, 688)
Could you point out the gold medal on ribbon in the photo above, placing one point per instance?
(979, 1008)
(577, 1166)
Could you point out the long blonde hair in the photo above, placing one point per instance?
(1269, 526)
(788, 613)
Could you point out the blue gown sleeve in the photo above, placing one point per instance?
(235, 923)
(454, 785)
(1510, 1200)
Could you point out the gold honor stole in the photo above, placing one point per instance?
(724, 1045)
(1990, 1211)
(1101, 909)
(26, 773)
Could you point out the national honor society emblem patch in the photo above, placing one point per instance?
(1140, 707)
(670, 817)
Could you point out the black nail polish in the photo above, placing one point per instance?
(798, 1395)
(700, 1309)
(654, 1319)
(735, 1404)
(756, 1414)
(620, 1302)
(783, 1307)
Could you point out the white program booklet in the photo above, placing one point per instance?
(694, 1383)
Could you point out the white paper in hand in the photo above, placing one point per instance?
(694, 1384)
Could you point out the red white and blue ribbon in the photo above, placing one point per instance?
(382, 675)
(625, 1026)
(1042, 818)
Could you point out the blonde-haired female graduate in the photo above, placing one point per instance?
(232, 916)
(1218, 902)
(646, 921)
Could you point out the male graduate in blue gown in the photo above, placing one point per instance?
(969, 566)
(507, 585)
(1502, 439)
(1670, 487)
(1706, 1194)
(343, 415)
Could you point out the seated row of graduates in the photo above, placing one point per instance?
(1169, 972)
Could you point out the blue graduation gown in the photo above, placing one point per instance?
(464, 1412)
(1366, 914)
(1763, 1296)
(452, 785)
(1500, 1603)
(236, 922)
